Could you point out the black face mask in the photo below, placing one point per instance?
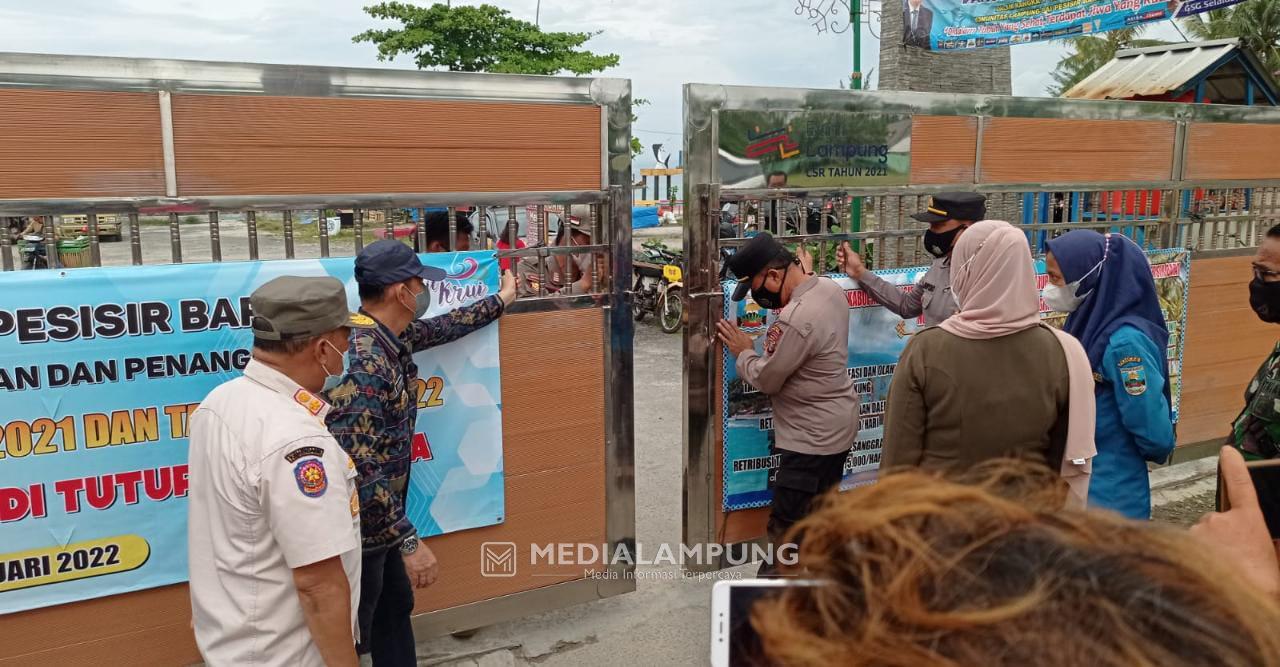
(767, 298)
(939, 244)
(1264, 297)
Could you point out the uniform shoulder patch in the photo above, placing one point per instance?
(362, 320)
(301, 452)
(771, 339)
(1135, 379)
(1129, 361)
(308, 400)
(311, 478)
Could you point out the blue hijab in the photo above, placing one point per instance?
(1120, 292)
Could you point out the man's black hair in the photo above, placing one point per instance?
(769, 177)
(1274, 232)
(781, 261)
(372, 293)
(437, 224)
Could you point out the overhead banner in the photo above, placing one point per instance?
(951, 25)
(781, 149)
(101, 370)
(876, 340)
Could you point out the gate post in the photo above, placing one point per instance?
(701, 377)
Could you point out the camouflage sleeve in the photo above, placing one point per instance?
(451, 326)
(356, 421)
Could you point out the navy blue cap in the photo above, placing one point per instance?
(388, 262)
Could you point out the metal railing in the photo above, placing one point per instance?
(160, 231)
(1199, 217)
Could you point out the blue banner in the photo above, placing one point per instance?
(876, 340)
(101, 369)
(950, 25)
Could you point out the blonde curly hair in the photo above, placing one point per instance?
(988, 570)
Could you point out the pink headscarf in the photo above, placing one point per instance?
(993, 277)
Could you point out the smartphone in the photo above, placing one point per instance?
(734, 642)
(1266, 483)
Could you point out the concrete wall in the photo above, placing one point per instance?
(909, 68)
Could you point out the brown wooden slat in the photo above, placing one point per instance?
(1229, 151)
(70, 632)
(943, 149)
(161, 646)
(79, 144)
(1225, 345)
(1053, 150)
(241, 144)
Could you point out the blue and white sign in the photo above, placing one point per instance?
(100, 370)
(951, 25)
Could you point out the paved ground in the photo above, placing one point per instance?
(665, 621)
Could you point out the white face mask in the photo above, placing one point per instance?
(1068, 299)
(1062, 299)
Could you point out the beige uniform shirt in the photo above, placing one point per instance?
(804, 371)
(931, 296)
(271, 491)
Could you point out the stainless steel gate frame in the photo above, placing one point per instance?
(610, 211)
(1204, 229)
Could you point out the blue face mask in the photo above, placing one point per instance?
(331, 380)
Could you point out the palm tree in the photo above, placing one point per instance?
(1088, 53)
(1256, 23)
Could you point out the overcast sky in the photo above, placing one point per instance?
(663, 43)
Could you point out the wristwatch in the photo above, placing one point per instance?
(409, 545)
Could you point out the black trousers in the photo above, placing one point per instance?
(386, 603)
(798, 481)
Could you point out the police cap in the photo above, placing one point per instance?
(954, 206)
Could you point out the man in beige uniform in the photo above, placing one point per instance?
(804, 371)
(947, 215)
(273, 518)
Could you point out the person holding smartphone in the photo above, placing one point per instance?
(1105, 283)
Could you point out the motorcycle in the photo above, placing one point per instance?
(659, 283)
(34, 255)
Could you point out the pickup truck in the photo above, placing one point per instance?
(71, 226)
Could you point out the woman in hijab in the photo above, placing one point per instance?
(1105, 283)
(992, 381)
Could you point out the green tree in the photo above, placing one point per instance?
(1092, 52)
(1256, 23)
(479, 38)
(636, 146)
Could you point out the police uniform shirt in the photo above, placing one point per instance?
(271, 491)
(804, 371)
(931, 296)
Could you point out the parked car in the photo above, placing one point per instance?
(71, 226)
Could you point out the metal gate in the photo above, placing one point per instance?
(131, 143)
(1167, 175)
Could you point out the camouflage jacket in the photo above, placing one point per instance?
(375, 407)
(1256, 431)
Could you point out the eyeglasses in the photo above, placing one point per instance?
(1265, 275)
